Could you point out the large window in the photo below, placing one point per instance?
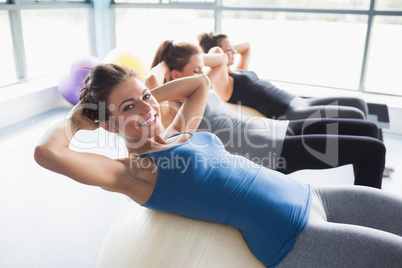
(63, 36)
(41, 37)
(348, 44)
(142, 30)
(324, 4)
(325, 50)
(345, 44)
(384, 66)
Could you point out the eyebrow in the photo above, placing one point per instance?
(132, 99)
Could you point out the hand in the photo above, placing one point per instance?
(166, 71)
(79, 121)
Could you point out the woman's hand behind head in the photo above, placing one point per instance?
(79, 120)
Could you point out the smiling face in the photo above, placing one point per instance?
(134, 111)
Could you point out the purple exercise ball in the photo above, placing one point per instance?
(71, 81)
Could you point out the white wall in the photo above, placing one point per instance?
(25, 100)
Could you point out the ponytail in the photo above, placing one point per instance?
(161, 52)
(175, 55)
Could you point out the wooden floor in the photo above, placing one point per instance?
(47, 220)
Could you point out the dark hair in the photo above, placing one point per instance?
(210, 40)
(98, 85)
(176, 55)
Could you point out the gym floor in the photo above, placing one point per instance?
(47, 220)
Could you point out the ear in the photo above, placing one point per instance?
(175, 74)
(108, 126)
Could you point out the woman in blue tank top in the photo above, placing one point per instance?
(284, 222)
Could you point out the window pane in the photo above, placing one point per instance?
(54, 1)
(53, 38)
(142, 30)
(7, 63)
(388, 5)
(163, 1)
(325, 50)
(192, 1)
(384, 67)
(137, 1)
(326, 4)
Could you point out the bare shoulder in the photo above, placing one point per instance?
(137, 179)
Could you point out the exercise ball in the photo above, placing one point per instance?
(72, 79)
(141, 237)
(125, 58)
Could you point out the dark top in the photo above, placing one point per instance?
(259, 94)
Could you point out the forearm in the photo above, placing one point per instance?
(55, 141)
(242, 47)
(157, 76)
(54, 146)
(245, 53)
(182, 88)
(215, 59)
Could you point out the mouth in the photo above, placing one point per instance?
(149, 121)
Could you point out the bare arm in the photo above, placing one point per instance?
(244, 49)
(53, 153)
(218, 73)
(157, 76)
(192, 89)
(217, 61)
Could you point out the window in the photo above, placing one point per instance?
(143, 30)
(317, 49)
(384, 66)
(53, 37)
(7, 63)
(53, 1)
(138, 1)
(316, 42)
(163, 1)
(388, 5)
(324, 4)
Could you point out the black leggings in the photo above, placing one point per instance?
(327, 143)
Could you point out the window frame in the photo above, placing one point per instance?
(102, 43)
(14, 8)
(218, 8)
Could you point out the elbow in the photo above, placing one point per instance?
(150, 81)
(225, 60)
(206, 83)
(42, 156)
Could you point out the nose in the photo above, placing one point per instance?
(145, 108)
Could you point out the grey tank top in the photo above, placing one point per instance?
(258, 139)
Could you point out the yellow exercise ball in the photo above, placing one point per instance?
(125, 58)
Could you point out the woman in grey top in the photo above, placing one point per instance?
(286, 146)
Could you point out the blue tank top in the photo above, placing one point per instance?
(259, 94)
(199, 179)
